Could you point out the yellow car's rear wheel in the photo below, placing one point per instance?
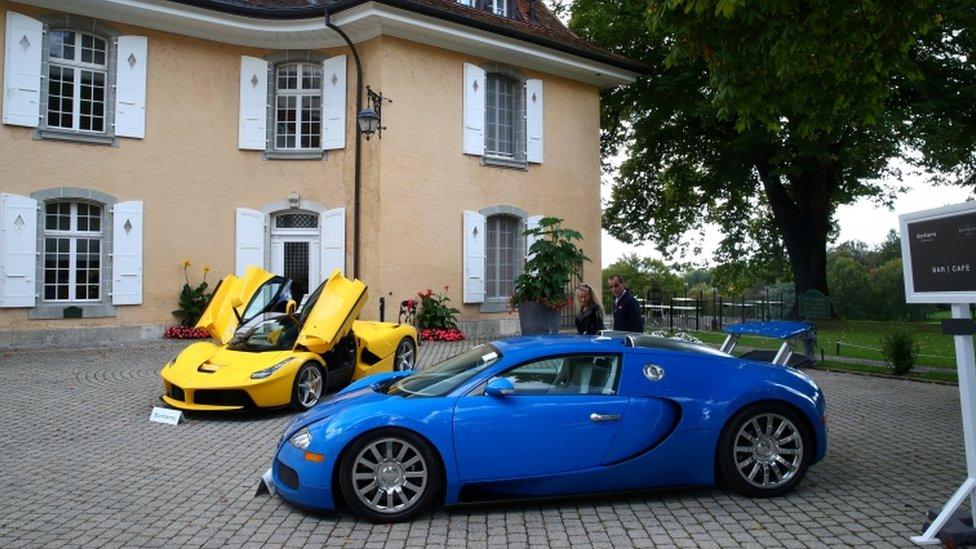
(308, 386)
(405, 357)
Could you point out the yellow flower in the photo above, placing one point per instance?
(206, 268)
(186, 263)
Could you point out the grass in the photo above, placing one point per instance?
(862, 339)
(832, 366)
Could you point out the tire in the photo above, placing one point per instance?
(765, 450)
(405, 357)
(404, 480)
(308, 387)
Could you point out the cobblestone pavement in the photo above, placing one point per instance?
(82, 465)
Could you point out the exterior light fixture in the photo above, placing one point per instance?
(370, 118)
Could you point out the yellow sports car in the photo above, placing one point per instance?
(287, 359)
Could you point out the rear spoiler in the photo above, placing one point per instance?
(774, 329)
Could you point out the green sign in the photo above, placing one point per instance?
(814, 304)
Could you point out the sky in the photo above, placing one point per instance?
(863, 220)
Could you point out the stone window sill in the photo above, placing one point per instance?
(495, 305)
(503, 162)
(47, 311)
(77, 137)
(294, 155)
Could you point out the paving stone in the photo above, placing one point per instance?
(84, 467)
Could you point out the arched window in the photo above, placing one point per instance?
(504, 255)
(298, 107)
(78, 76)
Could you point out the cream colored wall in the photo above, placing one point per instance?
(191, 176)
(188, 170)
(427, 182)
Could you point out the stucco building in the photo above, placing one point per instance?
(139, 133)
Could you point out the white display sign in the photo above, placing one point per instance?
(166, 415)
(268, 481)
(938, 250)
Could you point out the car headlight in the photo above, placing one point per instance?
(301, 439)
(261, 374)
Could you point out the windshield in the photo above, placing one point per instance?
(444, 377)
(276, 334)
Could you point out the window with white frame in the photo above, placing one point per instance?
(502, 120)
(298, 107)
(504, 255)
(77, 81)
(499, 7)
(73, 233)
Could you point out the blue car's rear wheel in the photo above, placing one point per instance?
(389, 475)
(765, 450)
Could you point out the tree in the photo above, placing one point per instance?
(763, 117)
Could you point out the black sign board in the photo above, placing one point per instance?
(814, 304)
(939, 251)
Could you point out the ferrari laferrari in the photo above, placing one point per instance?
(267, 353)
(553, 415)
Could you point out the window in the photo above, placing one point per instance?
(505, 255)
(501, 114)
(77, 76)
(567, 375)
(499, 7)
(72, 261)
(298, 107)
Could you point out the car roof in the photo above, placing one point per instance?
(599, 344)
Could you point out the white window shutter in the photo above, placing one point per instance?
(250, 240)
(18, 250)
(334, 104)
(533, 121)
(332, 227)
(22, 71)
(127, 253)
(474, 109)
(130, 86)
(474, 257)
(531, 223)
(253, 123)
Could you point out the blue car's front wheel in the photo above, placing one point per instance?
(389, 475)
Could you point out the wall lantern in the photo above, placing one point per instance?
(369, 119)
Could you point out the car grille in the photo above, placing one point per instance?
(176, 393)
(221, 397)
(288, 476)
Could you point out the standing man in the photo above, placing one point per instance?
(627, 315)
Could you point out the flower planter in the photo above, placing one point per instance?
(536, 318)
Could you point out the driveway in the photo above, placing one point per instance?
(81, 465)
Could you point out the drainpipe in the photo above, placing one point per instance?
(357, 178)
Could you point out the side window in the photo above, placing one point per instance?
(567, 375)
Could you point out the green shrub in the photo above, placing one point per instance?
(193, 299)
(435, 312)
(900, 350)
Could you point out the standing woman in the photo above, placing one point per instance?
(589, 319)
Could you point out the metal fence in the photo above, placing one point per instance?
(707, 311)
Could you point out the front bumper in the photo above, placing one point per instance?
(187, 395)
(303, 483)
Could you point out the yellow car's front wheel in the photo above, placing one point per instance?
(308, 386)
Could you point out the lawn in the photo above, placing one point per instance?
(862, 339)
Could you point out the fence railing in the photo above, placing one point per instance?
(707, 311)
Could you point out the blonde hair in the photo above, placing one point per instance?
(591, 300)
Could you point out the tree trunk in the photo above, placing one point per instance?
(804, 223)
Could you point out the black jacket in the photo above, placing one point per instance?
(589, 320)
(627, 315)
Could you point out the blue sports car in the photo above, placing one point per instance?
(553, 415)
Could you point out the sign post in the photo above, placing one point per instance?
(939, 258)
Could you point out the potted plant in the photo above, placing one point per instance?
(540, 291)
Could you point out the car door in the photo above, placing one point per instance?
(562, 416)
(258, 292)
(330, 311)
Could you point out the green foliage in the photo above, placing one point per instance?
(900, 350)
(763, 117)
(644, 276)
(555, 260)
(868, 283)
(435, 312)
(193, 299)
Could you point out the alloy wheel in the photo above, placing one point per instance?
(768, 451)
(309, 386)
(389, 475)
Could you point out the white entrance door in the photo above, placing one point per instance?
(296, 250)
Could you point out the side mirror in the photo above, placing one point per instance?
(290, 307)
(500, 386)
(236, 302)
